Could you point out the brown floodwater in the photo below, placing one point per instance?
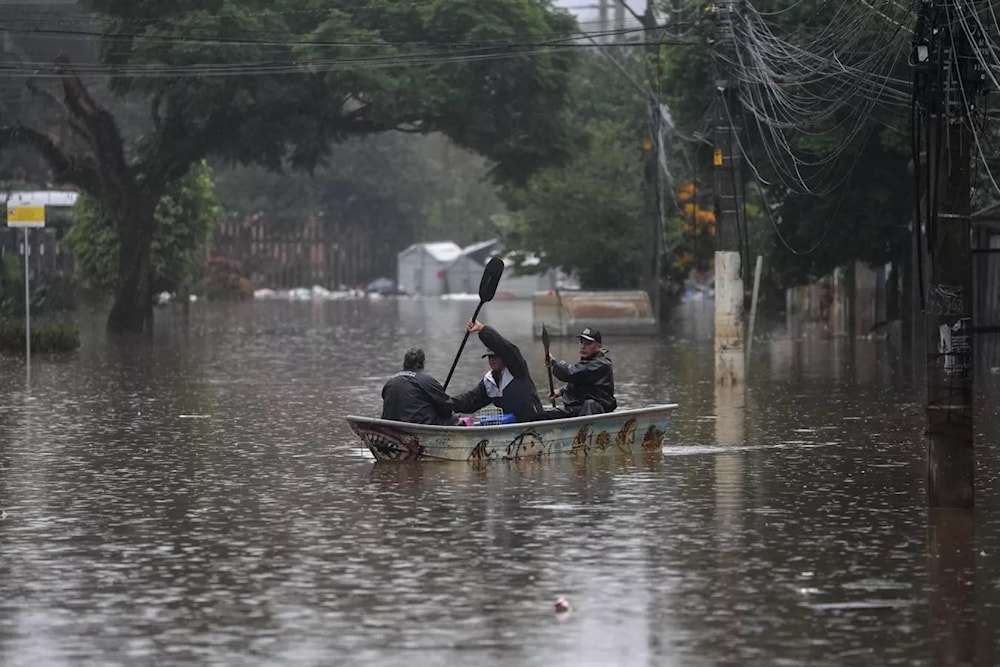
(198, 499)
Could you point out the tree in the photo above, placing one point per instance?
(260, 82)
(185, 218)
(422, 186)
(593, 217)
(589, 217)
(823, 135)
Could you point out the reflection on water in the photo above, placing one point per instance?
(198, 498)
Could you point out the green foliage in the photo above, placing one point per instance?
(590, 216)
(185, 219)
(224, 280)
(508, 108)
(412, 187)
(11, 286)
(864, 199)
(45, 337)
(280, 83)
(865, 220)
(50, 292)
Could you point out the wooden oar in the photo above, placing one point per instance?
(545, 344)
(487, 290)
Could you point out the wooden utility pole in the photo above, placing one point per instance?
(947, 82)
(727, 170)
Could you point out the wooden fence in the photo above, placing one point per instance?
(310, 253)
(48, 255)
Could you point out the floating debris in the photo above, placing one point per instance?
(195, 416)
(562, 606)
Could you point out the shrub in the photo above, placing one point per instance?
(45, 337)
(224, 280)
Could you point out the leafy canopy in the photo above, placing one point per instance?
(302, 75)
(185, 219)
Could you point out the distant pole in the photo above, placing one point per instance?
(753, 304)
(602, 17)
(25, 210)
(730, 362)
(947, 81)
(27, 308)
(619, 22)
(651, 34)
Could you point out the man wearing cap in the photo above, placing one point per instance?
(414, 396)
(507, 385)
(590, 384)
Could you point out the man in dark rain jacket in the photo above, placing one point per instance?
(590, 384)
(507, 385)
(413, 396)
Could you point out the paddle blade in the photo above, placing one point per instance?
(491, 278)
(545, 339)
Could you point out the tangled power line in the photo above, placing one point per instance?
(811, 96)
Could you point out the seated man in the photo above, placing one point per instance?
(590, 388)
(413, 396)
(507, 384)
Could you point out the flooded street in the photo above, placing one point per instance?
(199, 499)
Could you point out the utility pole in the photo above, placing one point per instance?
(730, 365)
(619, 22)
(602, 16)
(651, 37)
(947, 82)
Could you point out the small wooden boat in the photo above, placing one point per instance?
(619, 432)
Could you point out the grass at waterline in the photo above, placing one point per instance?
(45, 336)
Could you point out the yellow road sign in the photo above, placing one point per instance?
(25, 216)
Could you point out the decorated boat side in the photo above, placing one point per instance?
(619, 432)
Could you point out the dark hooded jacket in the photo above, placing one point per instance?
(514, 394)
(592, 378)
(417, 398)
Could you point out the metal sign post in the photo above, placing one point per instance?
(24, 211)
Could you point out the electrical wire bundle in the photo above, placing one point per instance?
(812, 95)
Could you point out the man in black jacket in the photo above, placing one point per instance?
(413, 396)
(590, 384)
(507, 385)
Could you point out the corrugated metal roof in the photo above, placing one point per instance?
(443, 251)
(440, 251)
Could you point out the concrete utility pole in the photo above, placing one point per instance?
(651, 37)
(619, 21)
(730, 365)
(948, 81)
(602, 17)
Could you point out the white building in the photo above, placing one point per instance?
(433, 269)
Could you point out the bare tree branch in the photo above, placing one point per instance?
(72, 169)
(102, 129)
(73, 123)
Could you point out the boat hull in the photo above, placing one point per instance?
(619, 432)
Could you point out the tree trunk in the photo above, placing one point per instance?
(132, 311)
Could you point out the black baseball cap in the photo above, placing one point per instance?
(591, 335)
(489, 353)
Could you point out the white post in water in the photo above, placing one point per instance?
(730, 361)
(25, 210)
